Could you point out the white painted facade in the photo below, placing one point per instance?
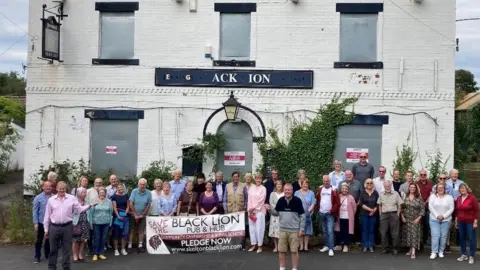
(284, 36)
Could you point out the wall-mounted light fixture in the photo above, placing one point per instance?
(231, 107)
(192, 5)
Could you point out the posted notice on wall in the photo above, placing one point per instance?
(234, 158)
(111, 150)
(185, 234)
(352, 155)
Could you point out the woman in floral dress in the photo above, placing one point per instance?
(274, 229)
(412, 213)
(81, 230)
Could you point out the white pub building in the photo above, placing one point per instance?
(121, 84)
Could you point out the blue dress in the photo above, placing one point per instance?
(308, 200)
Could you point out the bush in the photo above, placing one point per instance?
(405, 158)
(17, 224)
(157, 169)
(436, 165)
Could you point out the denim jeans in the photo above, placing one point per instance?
(100, 232)
(343, 236)
(368, 231)
(467, 230)
(40, 242)
(439, 231)
(327, 221)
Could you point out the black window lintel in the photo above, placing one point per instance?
(359, 65)
(116, 6)
(116, 62)
(235, 7)
(359, 7)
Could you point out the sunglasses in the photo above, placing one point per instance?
(423, 174)
(370, 183)
(382, 171)
(363, 157)
(442, 178)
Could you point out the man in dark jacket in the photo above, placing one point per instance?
(219, 187)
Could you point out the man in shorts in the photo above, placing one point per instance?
(292, 225)
(140, 200)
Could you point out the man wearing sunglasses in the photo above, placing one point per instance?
(363, 170)
(425, 186)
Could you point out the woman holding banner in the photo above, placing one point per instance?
(167, 202)
(208, 201)
(256, 213)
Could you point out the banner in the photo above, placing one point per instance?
(167, 235)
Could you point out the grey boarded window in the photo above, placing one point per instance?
(358, 37)
(117, 35)
(235, 36)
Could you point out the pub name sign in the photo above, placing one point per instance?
(294, 79)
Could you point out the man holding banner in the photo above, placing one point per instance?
(292, 223)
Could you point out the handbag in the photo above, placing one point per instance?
(77, 230)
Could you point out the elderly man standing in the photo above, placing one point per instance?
(52, 177)
(328, 202)
(92, 193)
(112, 188)
(453, 184)
(39, 207)
(425, 186)
(58, 224)
(363, 170)
(292, 223)
(389, 203)
(219, 187)
(235, 195)
(378, 181)
(177, 185)
(140, 201)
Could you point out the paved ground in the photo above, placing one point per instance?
(18, 257)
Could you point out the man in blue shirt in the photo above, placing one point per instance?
(177, 185)
(39, 207)
(452, 185)
(140, 201)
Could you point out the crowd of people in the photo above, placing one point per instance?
(350, 206)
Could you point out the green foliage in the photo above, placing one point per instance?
(465, 81)
(310, 146)
(405, 158)
(436, 165)
(157, 169)
(9, 138)
(10, 110)
(19, 222)
(207, 148)
(67, 171)
(12, 84)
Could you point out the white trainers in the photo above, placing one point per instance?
(471, 260)
(462, 258)
(129, 245)
(330, 253)
(324, 249)
(345, 249)
(433, 256)
(440, 255)
(337, 248)
(124, 252)
(116, 253)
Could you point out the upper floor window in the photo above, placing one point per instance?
(116, 33)
(358, 35)
(235, 34)
(235, 31)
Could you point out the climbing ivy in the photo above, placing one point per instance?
(207, 148)
(310, 146)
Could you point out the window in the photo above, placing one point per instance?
(235, 36)
(191, 167)
(358, 37)
(117, 35)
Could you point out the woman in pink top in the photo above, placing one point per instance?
(256, 213)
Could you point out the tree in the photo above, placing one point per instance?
(10, 110)
(12, 84)
(465, 82)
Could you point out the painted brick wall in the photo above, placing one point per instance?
(284, 36)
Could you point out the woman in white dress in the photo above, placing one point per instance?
(274, 229)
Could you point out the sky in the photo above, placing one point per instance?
(14, 37)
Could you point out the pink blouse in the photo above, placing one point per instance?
(256, 198)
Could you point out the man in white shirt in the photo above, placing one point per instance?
(112, 188)
(92, 193)
(380, 180)
(329, 204)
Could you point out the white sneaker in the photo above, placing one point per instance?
(471, 260)
(345, 249)
(462, 258)
(433, 256)
(129, 245)
(440, 255)
(330, 253)
(337, 248)
(116, 253)
(324, 249)
(124, 252)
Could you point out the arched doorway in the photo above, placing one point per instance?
(238, 152)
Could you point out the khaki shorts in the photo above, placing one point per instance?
(139, 226)
(288, 240)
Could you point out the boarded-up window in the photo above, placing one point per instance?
(358, 37)
(117, 35)
(235, 36)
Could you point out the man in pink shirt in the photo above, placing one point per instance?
(58, 224)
